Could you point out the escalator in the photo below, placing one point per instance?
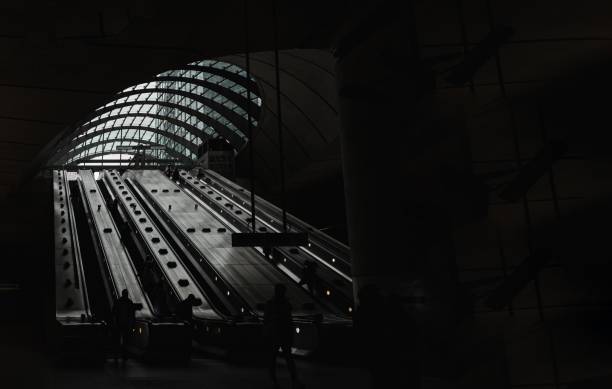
(80, 330)
(95, 273)
(332, 287)
(152, 337)
(243, 269)
(220, 320)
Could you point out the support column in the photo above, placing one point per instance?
(401, 141)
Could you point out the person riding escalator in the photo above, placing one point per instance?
(278, 334)
(124, 320)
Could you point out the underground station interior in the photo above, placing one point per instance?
(240, 194)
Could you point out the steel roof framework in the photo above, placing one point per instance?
(179, 110)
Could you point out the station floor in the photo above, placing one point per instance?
(201, 374)
(24, 364)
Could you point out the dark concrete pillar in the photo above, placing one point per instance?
(400, 142)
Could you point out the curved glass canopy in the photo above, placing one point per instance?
(167, 118)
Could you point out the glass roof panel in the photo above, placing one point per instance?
(177, 107)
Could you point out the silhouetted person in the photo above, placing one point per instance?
(404, 369)
(167, 303)
(169, 207)
(158, 292)
(371, 323)
(267, 251)
(99, 206)
(276, 256)
(185, 308)
(124, 317)
(149, 275)
(309, 275)
(124, 230)
(278, 333)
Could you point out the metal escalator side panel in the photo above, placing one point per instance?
(209, 278)
(160, 250)
(117, 259)
(334, 287)
(269, 214)
(342, 248)
(335, 264)
(160, 193)
(250, 274)
(70, 291)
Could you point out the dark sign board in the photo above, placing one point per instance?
(269, 239)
